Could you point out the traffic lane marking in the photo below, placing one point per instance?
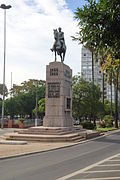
(114, 160)
(102, 171)
(108, 165)
(100, 168)
(108, 178)
(87, 168)
(95, 175)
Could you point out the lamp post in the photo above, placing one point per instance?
(36, 118)
(4, 7)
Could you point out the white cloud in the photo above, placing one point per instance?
(30, 25)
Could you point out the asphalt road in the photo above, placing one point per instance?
(58, 163)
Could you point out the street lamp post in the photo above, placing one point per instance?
(4, 7)
(36, 118)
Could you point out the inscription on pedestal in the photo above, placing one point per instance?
(54, 72)
(54, 90)
(58, 105)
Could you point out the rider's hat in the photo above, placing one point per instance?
(59, 28)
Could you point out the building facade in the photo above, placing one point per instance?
(86, 68)
(86, 73)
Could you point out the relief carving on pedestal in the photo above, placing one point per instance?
(54, 90)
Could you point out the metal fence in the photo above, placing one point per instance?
(26, 123)
(31, 122)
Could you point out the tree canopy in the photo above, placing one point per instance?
(99, 28)
(23, 97)
(99, 25)
(86, 99)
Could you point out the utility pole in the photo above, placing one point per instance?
(36, 118)
(4, 7)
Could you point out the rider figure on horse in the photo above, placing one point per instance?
(59, 44)
(61, 37)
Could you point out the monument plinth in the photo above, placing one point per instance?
(58, 107)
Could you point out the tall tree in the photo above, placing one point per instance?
(41, 108)
(24, 98)
(99, 23)
(86, 99)
(112, 64)
(27, 86)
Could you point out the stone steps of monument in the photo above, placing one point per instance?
(78, 139)
(75, 137)
(45, 132)
(48, 131)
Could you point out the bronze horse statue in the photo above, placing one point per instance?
(59, 46)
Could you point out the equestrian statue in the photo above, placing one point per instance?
(59, 46)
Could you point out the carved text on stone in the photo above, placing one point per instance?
(54, 72)
(54, 90)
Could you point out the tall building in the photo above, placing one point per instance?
(86, 73)
(86, 67)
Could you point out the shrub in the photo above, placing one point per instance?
(101, 124)
(88, 125)
(108, 121)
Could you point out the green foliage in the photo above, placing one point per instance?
(88, 125)
(107, 107)
(24, 98)
(99, 27)
(80, 91)
(105, 129)
(101, 124)
(108, 121)
(99, 23)
(86, 99)
(29, 86)
(41, 107)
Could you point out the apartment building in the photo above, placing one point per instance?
(86, 67)
(86, 73)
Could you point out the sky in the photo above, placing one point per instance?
(29, 37)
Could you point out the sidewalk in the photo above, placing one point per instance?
(11, 150)
(7, 150)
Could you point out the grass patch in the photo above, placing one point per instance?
(106, 129)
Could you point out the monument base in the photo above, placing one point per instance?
(58, 102)
(49, 134)
(52, 134)
(57, 121)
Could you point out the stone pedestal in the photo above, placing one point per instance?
(58, 121)
(58, 108)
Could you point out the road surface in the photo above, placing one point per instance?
(59, 163)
